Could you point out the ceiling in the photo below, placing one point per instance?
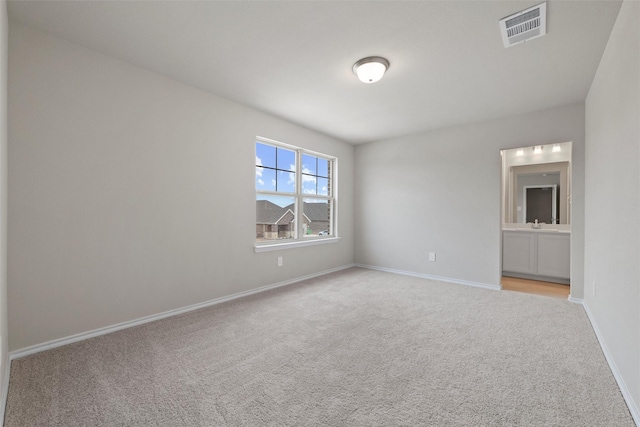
(294, 59)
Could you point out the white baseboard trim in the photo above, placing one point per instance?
(628, 398)
(429, 276)
(140, 321)
(575, 300)
(5, 390)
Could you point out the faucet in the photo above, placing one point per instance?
(536, 224)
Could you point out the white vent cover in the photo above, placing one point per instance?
(524, 25)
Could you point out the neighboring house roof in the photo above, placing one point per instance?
(270, 213)
(317, 211)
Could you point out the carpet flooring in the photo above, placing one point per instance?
(353, 348)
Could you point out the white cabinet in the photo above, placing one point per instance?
(554, 255)
(519, 252)
(536, 253)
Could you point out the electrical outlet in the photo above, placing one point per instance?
(279, 261)
(432, 256)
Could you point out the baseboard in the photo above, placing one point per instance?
(575, 300)
(537, 277)
(628, 398)
(429, 276)
(140, 321)
(5, 390)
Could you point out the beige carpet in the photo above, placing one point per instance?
(353, 348)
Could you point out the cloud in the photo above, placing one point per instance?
(307, 178)
(261, 182)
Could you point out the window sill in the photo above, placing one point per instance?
(268, 247)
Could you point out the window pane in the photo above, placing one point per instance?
(317, 217)
(286, 160)
(309, 164)
(265, 179)
(286, 181)
(309, 184)
(323, 167)
(275, 217)
(275, 169)
(323, 186)
(315, 175)
(265, 155)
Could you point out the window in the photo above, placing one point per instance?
(295, 194)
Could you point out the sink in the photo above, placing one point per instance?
(527, 227)
(538, 230)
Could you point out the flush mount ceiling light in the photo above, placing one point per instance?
(370, 69)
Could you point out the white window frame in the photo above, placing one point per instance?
(300, 240)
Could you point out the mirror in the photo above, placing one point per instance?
(536, 184)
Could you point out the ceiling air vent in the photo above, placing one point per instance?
(524, 25)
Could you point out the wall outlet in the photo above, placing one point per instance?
(279, 261)
(432, 256)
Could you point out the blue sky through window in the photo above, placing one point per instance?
(315, 175)
(275, 171)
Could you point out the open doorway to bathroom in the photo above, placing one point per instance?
(536, 219)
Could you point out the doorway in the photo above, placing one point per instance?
(536, 185)
(540, 203)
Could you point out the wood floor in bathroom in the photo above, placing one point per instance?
(556, 290)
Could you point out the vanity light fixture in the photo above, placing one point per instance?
(520, 152)
(370, 69)
(537, 149)
(556, 148)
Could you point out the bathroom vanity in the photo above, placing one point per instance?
(539, 254)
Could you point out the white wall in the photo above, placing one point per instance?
(131, 194)
(440, 192)
(4, 360)
(612, 238)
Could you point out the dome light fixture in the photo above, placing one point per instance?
(370, 69)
